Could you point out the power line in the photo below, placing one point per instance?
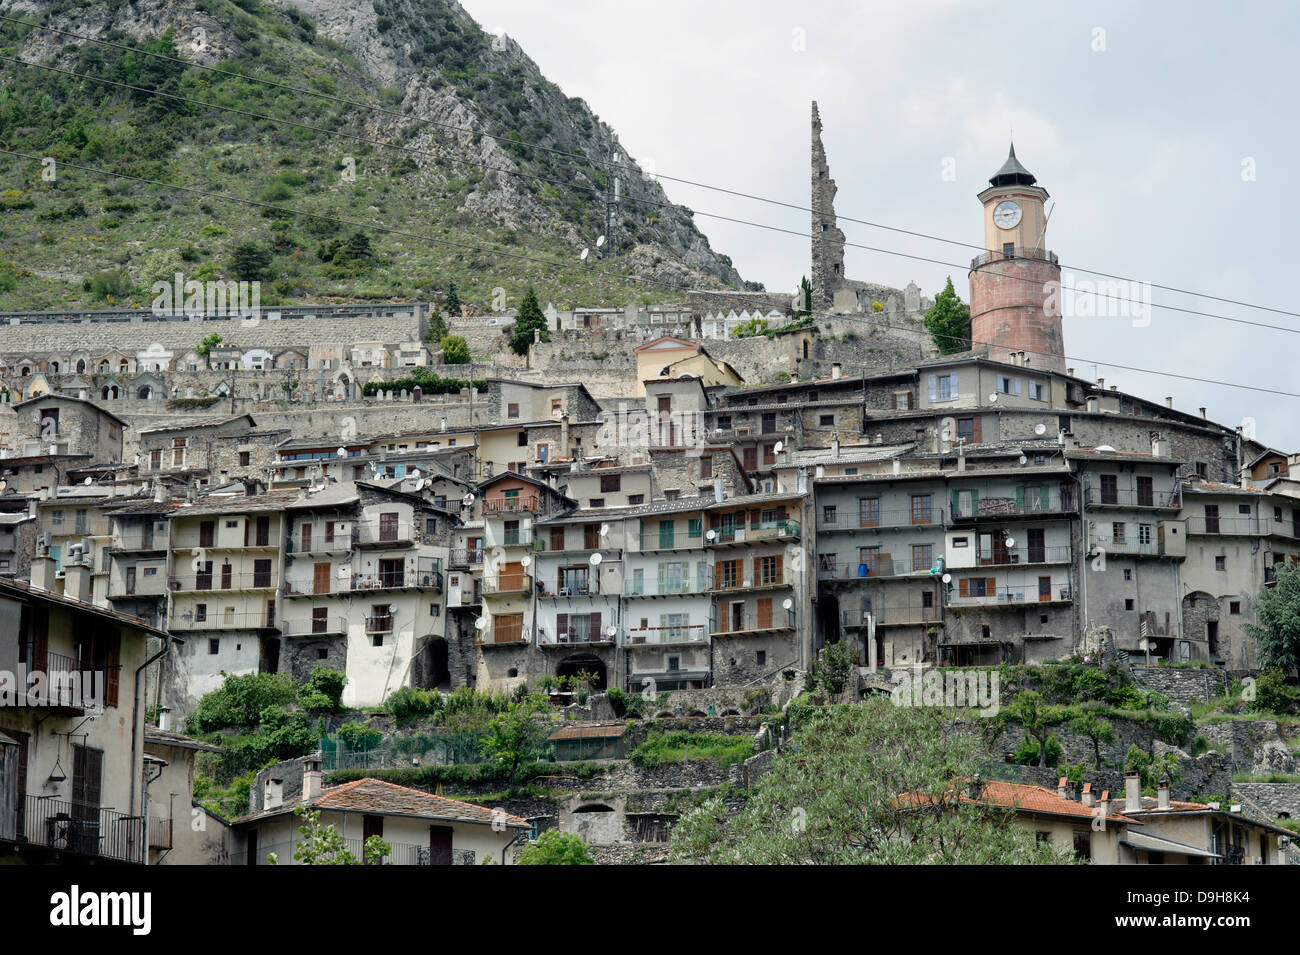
(563, 265)
(603, 197)
(611, 164)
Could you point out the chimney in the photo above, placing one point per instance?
(42, 573)
(164, 717)
(717, 489)
(835, 444)
(1159, 447)
(1162, 795)
(1104, 803)
(1132, 792)
(76, 581)
(1062, 785)
(836, 370)
(272, 793)
(1114, 387)
(1169, 401)
(1101, 384)
(1088, 799)
(1202, 410)
(159, 493)
(1092, 404)
(311, 778)
(961, 457)
(564, 435)
(898, 467)
(1070, 372)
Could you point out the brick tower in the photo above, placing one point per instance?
(827, 239)
(1009, 282)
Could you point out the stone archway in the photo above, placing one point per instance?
(572, 666)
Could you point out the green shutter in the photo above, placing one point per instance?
(955, 508)
(695, 527)
(1020, 498)
(1042, 496)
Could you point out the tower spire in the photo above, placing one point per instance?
(827, 239)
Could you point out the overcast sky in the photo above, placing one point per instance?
(1165, 133)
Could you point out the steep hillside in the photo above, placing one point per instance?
(465, 105)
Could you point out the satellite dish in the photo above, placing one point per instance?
(595, 559)
(583, 256)
(392, 608)
(427, 483)
(600, 241)
(1023, 459)
(342, 452)
(1010, 541)
(777, 447)
(467, 500)
(87, 481)
(525, 561)
(787, 603)
(711, 534)
(993, 397)
(480, 623)
(415, 472)
(604, 530)
(946, 578)
(612, 631)
(1040, 428)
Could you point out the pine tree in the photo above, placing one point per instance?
(530, 320)
(452, 307)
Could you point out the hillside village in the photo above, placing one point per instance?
(678, 535)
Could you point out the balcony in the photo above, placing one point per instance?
(462, 558)
(882, 565)
(667, 636)
(187, 620)
(160, 833)
(379, 623)
(1041, 255)
(721, 582)
(1233, 525)
(575, 636)
(891, 615)
(1002, 508)
(544, 545)
(218, 582)
(317, 588)
(678, 539)
(333, 625)
(1130, 497)
(153, 586)
(79, 829)
(426, 575)
(66, 686)
(192, 541)
(512, 537)
(1013, 596)
(504, 633)
(772, 531)
(384, 534)
(665, 586)
(508, 584)
(570, 587)
(401, 853)
(876, 518)
(338, 544)
(729, 625)
(510, 505)
(132, 541)
(1020, 556)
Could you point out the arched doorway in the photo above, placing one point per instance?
(145, 393)
(432, 671)
(572, 666)
(81, 366)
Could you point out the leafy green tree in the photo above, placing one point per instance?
(556, 848)
(750, 329)
(452, 306)
(455, 350)
(864, 783)
(324, 691)
(833, 669)
(1089, 724)
(1030, 711)
(110, 285)
(1277, 635)
(206, 346)
(358, 246)
(948, 321)
(241, 700)
(322, 844)
(805, 298)
(1272, 695)
(249, 261)
(514, 736)
(530, 319)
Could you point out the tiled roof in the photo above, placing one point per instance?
(1023, 797)
(384, 798)
(609, 731)
(153, 734)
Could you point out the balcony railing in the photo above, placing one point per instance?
(749, 622)
(502, 633)
(847, 518)
(217, 581)
(882, 565)
(679, 539)
(1130, 497)
(510, 505)
(400, 853)
(891, 615)
(314, 626)
(1058, 554)
(155, 586)
(1232, 525)
(188, 620)
(66, 684)
(380, 534)
(421, 577)
(508, 584)
(160, 833)
(182, 541)
(720, 582)
(752, 534)
(544, 544)
(993, 255)
(661, 636)
(463, 557)
(80, 829)
(340, 544)
(379, 623)
(515, 537)
(589, 587)
(1013, 595)
(1002, 507)
(665, 586)
(577, 636)
(138, 540)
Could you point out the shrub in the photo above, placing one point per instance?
(554, 847)
(358, 736)
(455, 350)
(324, 691)
(241, 701)
(1026, 753)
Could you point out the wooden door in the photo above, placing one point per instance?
(440, 845)
(388, 526)
(320, 578)
(511, 576)
(207, 533)
(306, 538)
(764, 613)
(1044, 588)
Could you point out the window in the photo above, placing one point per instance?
(522, 439)
(1109, 489)
(178, 452)
(961, 542)
(724, 422)
(769, 422)
(1221, 563)
(1128, 603)
(155, 459)
(966, 429)
(943, 387)
(610, 483)
(826, 421)
(1144, 533)
(543, 453)
(921, 508)
(512, 410)
(706, 466)
(1008, 385)
(869, 512)
(1128, 573)
(902, 401)
(1083, 846)
(977, 587)
(769, 569)
(828, 514)
(636, 499)
(1243, 509)
(596, 502)
(431, 525)
(1037, 391)
(244, 458)
(1201, 469)
(200, 613)
(922, 556)
(214, 646)
(760, 657)
(1234, 606)
(1211, 518)
(1117, 533)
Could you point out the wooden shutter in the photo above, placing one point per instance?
(764, 615)
(963, 588)
(975, 430)
(594, 623)
(321, 578)
(561, 625)
(990, 587)
(113, 674)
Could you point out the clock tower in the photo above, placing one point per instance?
(1012, 303)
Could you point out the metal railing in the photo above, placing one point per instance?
(502, 633)
(81, 829)
(341, 543)
(754, 533)
(65, 683)
(883, 565)
(589, 587)
(750, 621)
(678, 539)
(218, 581)
(658, 636)
(1229, 525)
(463, 557)
(312, 626)
(1039, 255)
(1130, 497)
(1057, 554)
(420, 577)
(577, 636)
(213, 620)
(850, 518)
(665, 586)
(1011, 507)
(379, 623)
(721, 582)
(138, 540)
(510, 505)
(543, 544)
(891, 614)
(194, 541)
(160, 833)
(1012, 595)
(378, 533)
(508, 584)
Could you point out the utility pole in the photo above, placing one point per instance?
(612, 189)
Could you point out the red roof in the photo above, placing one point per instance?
(378, 797)
(1023, 797)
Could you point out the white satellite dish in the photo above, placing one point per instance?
(612, 631)
(600, 241)
(946, 578)
(480, 623)
(993, 397)
(342, 452)
(604, 530)
(467, 500)
(584, 254)
(86, 482)
(595, 559)
(777, 447)
(392, 608)
(426, 483)
(415, 472)
(1011, 542)
(787, 603)
(1023, 459)
(711, 534)
(1040, 428)
(526, 561)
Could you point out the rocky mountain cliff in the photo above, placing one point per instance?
(495, 157)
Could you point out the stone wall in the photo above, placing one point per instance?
(1268, 801)
(1182, 685)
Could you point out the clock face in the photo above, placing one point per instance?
(1006, 214)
